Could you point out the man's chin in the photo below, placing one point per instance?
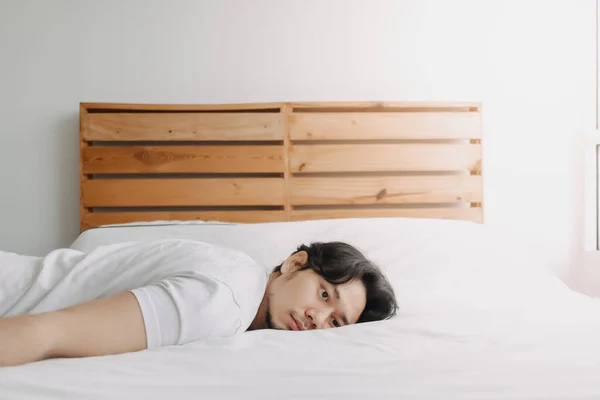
(271, 324)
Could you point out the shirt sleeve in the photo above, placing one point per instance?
(186, 308)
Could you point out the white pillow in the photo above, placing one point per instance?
(428, 261)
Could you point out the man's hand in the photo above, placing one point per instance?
(101, 327)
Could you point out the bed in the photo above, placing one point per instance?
(479, 318)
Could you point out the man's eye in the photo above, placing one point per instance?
(324, 294)
(335, 323)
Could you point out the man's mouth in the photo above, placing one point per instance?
(295, 325)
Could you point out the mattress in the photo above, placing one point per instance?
(479, 318)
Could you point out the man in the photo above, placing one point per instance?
(134, 296)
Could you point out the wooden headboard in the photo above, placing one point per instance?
(279, 161)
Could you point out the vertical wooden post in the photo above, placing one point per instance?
(286, 110)
(83, 211)
(479, 170)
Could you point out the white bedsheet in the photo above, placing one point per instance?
(453, 354)
(477, 321)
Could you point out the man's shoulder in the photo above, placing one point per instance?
(244, 278)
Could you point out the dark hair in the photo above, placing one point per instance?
(341, 263)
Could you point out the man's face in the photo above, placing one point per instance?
(301, 300)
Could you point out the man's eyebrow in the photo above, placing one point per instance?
(337, 295)
(345, 320)
(337, 292)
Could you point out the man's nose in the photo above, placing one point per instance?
(318, 318)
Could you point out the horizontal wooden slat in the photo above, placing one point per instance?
(403, 125)
(181, 126)
(469, 214)
(270, 106)
(182, 159)
(385, 157)
(388, 104)
(182, 192)
(386, 190)
(180, 107)
(91, 220)
(386, 107)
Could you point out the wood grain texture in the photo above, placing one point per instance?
(468, 214)
(385, 157)
(385, 125)
(385, 190)
(182, 159)
(183, 192)
(181, 126)
(243, 216)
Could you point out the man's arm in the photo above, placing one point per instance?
(101, 327)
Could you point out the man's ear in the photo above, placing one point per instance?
(294, 262)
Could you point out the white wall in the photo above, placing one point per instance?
(530, 62)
